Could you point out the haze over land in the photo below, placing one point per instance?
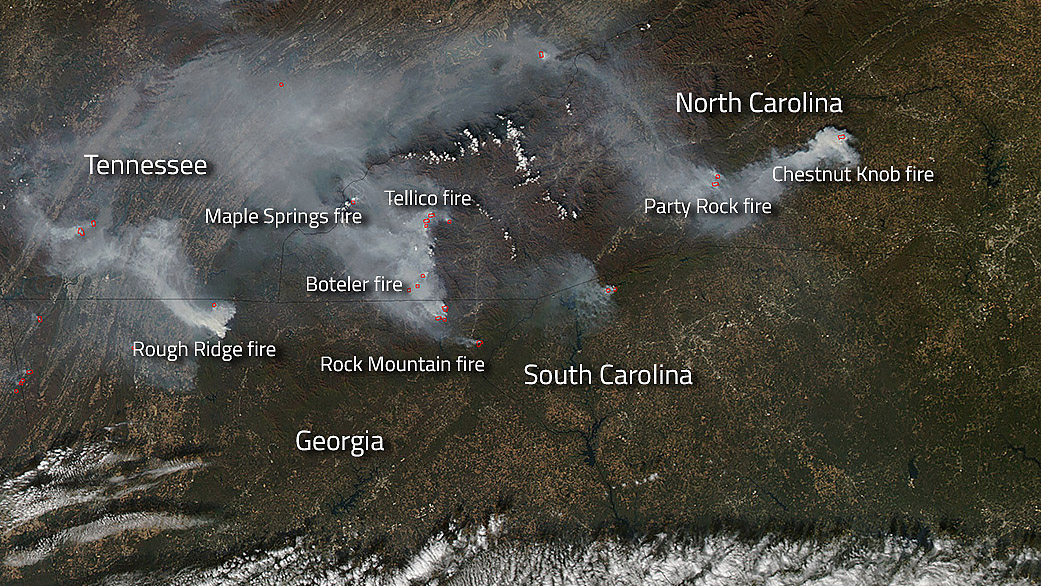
(857, 403)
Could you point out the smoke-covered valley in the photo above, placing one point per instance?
(317, 138)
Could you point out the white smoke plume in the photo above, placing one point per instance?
(756, 180)
(322, 138)
(309, 140)
(150, 255)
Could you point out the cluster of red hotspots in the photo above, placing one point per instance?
(28, 371)
(21, 382)
(430, 216)
(444, 319)
(82, 232)
(416, 286)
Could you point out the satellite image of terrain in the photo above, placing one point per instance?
(495, 292)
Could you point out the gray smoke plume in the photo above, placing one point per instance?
(150, 255)
(322, 138)
(689, 181)
(309, 140)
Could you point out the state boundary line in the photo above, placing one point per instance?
(430, 299)
(304, 301)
